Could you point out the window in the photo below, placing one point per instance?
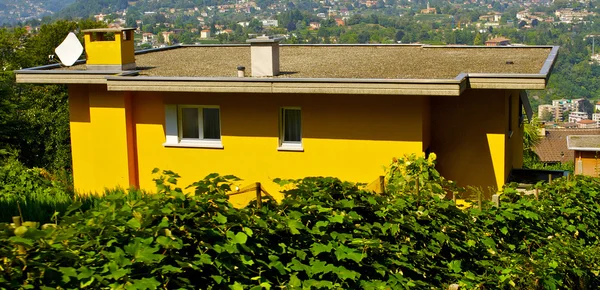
(193, 126)
(290, 129)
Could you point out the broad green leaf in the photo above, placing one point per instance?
(241, 238)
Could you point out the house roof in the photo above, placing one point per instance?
(498, 39)
(553, 147)
(341, 61)
(403, 69)
(584, 142)
(586, 122)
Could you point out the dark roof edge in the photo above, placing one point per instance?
(456, 80)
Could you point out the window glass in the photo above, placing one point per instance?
(189, 123)
(292, 127)
(212, 127)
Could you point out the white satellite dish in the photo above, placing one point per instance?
(69, 50)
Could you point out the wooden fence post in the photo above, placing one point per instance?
(479, 198)
(550, 179)
(18, 223)
(382, 183)
(417, 185)
(496, 200)
(258, 195)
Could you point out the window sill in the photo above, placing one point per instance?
(294, 148)
(197, 144)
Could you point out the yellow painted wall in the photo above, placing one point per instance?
(98, 138)
(468, 134)
(350, 137)
(114, 52)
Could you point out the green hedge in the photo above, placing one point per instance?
(325, 234)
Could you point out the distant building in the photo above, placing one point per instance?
(270, 23)
(205, 33)
(428, 10)
(575, 117)
(587, 124)
(147, 37)
(340, 22)
(585, 150)
(498, 41)
(553, 148)
(167, 36)
(597, 107)
(542, 109)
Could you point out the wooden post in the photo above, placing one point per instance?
(417, 185)
(496, 200)
(258, 195)
(382, 183)
(479, 197)
(568, 177)
(537, 193)
(550, 179)
(17, 222)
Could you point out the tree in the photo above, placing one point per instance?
(478, 40)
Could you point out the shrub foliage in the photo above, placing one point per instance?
(324, 234)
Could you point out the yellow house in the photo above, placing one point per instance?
(296, 111)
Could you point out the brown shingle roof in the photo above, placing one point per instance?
(553, 147)
(346, 61)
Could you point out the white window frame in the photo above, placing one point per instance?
(289, 145)
(173, 121)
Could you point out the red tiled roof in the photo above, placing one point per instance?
(586, 122)
(553, 147)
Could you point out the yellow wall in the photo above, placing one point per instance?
(113, 52)
(350, 137)
(117, 138)
(468, 134)
(98, 138)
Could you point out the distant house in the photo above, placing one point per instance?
(553, 148)
(584, 124)
(586, 154)
(147, 37)
(340, 22)
(498, 41)
(205, 33)
(315, 25)
(167, 36)
(428, 10)
(575, 117)
(598, 107)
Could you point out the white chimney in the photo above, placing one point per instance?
(264, 53)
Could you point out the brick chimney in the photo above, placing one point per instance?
(264, 52)
(116, 53)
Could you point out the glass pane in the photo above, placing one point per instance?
(189, 123)
(212, 128)
(292, 130)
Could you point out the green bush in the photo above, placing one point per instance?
(324, 234)
(32, 193)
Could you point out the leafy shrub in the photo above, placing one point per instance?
(30, 192)
(324, 234)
